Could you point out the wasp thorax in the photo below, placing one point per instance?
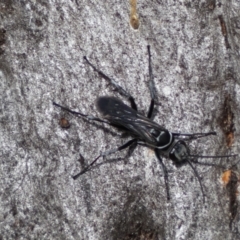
(154, 132)
(163, 138)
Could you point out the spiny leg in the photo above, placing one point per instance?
(111, 81)
(165, 173)
(125, 145)
(151, 85)
(88, 117)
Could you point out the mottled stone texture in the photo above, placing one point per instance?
(196, 67)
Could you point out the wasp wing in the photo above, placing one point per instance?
(142, 127)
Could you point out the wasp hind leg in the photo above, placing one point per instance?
(121, 90)
(88, 117)
(104, 154)
(151, 84)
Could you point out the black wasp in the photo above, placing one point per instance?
(143, 130)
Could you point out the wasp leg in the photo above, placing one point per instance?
(88, 117)
(151, 84)
(165, 173)
(131, 149)
(198, 177)
(111, 81)
(192, 136)
(104, 154)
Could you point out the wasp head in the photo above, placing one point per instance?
(179, 153)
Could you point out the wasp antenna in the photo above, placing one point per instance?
(197, 176)
(221, 156)
(208, 164)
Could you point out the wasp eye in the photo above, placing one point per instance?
(154, 132)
